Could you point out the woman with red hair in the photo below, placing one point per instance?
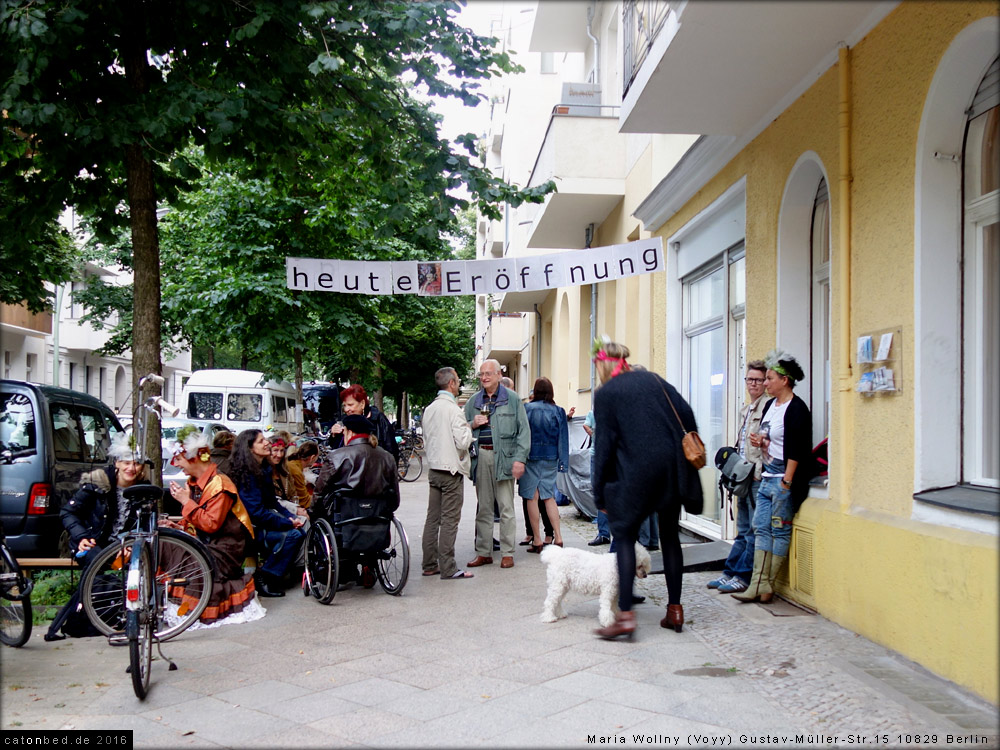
(354, 400)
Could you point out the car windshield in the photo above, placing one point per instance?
(17, 424)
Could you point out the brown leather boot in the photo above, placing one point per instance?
(624, 624)
(674, 618)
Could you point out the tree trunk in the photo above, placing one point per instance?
(145, 240)
(210, 360)
(376, 396)
(244, 359)
(297, 355)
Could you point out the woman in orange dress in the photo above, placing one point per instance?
(212, 511)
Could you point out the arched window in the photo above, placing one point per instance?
(957, 289)
(981, 286)
(819, 242)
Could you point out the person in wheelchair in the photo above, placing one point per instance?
(358, 479)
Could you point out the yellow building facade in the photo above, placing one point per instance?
(927, 590)
(855, 201)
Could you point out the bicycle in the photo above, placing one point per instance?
(15, 599)
(127, 590)
(410, 464)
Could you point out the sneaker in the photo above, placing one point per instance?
(720, 581)
(733, 586)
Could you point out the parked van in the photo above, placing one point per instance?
(241, 399)
(48, 437)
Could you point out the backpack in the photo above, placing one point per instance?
(735, 472)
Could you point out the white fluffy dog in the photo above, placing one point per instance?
(594, 574)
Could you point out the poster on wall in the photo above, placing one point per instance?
(492, 275)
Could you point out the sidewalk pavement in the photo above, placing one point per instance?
(467, 663)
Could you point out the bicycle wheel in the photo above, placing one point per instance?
(184, 579)
(15, 603)
(393, 563)
(414, 467)
(139, 622)
(403, 463)
(322, 561)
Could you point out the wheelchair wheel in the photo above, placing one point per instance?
(393, 563)
(322, 561)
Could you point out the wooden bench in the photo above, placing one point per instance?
(47, 563)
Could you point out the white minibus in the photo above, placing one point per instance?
(241, 399)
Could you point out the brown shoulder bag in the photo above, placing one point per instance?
(693, 445)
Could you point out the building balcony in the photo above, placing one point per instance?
(584, 154)
(505, 337)
(729, 68)
(494, 239)
(19, 317)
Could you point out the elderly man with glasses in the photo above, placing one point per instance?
(502, 438)
(739, 565)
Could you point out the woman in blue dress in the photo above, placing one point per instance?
(549, 455)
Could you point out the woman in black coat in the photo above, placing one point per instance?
(639, 468)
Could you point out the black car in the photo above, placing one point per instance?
(48, 437)
(320, 405)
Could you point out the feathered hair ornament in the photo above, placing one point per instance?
(124, 447)
(192, 444)
(785, 364)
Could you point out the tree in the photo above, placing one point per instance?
(105, 101)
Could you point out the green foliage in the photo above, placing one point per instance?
(41, 251)
(270, 129)
(53, 588)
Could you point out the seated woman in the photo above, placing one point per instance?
(291, 493)
(360, 470)
(299, 459)
(211, 510)
(98, 512)
(278, 532)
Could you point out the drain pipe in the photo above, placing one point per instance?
(846, 431)
(596, 75)
(538, 340)
(593, 314)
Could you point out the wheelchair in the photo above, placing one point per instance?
(349, 532)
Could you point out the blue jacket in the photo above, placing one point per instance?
(549, 433)
(259, 499)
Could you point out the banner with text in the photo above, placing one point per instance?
(493, 275)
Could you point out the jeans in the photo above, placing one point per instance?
(280, 548)
(772, 519)
(740, 560)
(649, 532)
(603, 529)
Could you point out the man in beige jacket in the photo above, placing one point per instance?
(447, 437)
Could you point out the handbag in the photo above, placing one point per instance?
(691, 443)
(735, 472)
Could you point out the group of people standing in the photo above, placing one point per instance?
(640, 473)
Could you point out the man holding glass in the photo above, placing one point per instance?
(502, 438)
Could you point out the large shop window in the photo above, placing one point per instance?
(714, 304)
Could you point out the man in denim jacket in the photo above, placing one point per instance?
(502, 438)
